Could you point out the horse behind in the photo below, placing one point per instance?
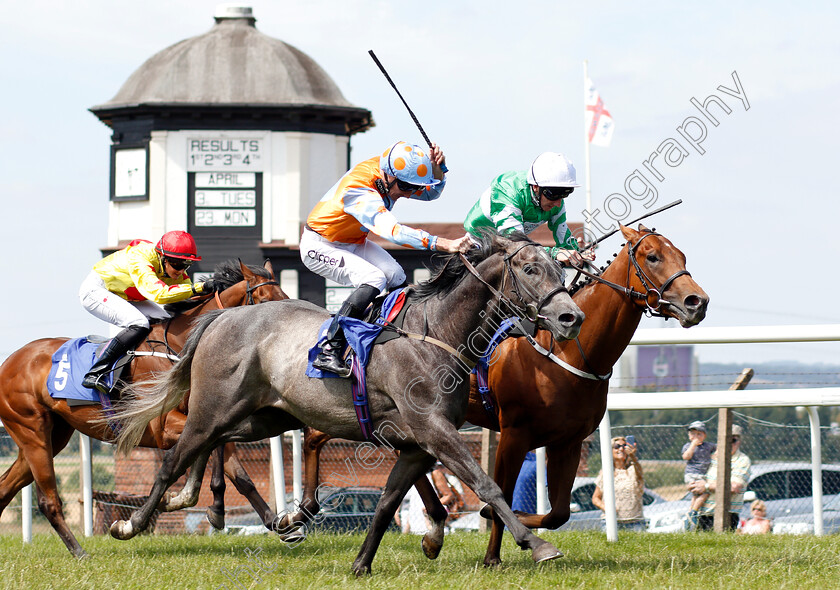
(245, 372)
(42, 426)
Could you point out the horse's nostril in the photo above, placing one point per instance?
(568, 319)
(692, 302)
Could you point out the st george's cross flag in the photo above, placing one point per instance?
(599, 122)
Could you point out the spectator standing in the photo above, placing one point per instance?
(697, 454)
(740, 466)
(629, 486)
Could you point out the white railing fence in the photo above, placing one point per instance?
(810, 398)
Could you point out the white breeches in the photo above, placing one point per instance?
(113, 309)
(350, 264)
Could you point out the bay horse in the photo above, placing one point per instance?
(42, 426)
(245, 372)
(539, 403)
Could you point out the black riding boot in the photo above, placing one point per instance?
(330, 358)
(119, 345)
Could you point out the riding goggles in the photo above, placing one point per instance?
(178, 263)
(555, 193)
(407, 186)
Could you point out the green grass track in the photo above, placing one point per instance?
(637, 561)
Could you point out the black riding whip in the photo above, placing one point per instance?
(408, 108)
(645, 216)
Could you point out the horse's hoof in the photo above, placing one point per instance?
(492, 562)
(361, 570)
(486, 512)
(216, 519)
(430, 548)
(281, 524)
(545, 552)
(81, 555)
(122, 530)
(294, 536)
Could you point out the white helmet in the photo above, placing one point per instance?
(552, 169)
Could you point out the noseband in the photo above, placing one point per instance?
(528, 310)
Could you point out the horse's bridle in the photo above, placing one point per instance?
(528, 310)
(652, 297)
(647, 281)
(249, 290)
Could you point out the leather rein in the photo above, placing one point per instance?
(529, 310)
(249, 291)
(652, 297)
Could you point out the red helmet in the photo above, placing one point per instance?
(177, 244)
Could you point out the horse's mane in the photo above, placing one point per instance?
(225, 275)
(447, 270)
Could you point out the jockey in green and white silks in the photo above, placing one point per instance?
(524, 200)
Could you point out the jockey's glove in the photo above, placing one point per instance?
(202, 288)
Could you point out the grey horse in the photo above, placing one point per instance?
(244, 372)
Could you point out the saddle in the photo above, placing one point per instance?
(74, 358)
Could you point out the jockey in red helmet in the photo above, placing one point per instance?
(130, 286)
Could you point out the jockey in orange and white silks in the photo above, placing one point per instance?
(335, 241)
(129, 287)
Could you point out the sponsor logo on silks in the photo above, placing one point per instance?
(324, 259)
(528, 227)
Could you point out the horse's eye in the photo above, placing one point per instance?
(652, 257)
(530, 269)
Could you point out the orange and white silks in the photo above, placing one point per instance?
(353, 207)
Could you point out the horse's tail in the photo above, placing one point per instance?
(147, 400)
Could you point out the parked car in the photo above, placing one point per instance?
(348, 509)
(803, 523)
(342, 510)
(784, 487)
(585, 516)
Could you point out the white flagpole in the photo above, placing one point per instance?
(586, 225)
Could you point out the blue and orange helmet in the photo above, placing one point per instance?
(409, 163)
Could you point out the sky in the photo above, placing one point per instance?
(494, 85)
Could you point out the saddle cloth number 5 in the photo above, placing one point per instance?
(62, 374)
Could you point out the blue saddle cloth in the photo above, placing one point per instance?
(69, 364)
(360, 336)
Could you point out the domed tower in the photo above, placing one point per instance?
(219, 135)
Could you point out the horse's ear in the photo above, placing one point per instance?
(246, 272)
(269, 268)
(630, 234)
(642, 228)
(498, 241)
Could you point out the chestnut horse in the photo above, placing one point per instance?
(42, 426)
(539, 403)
